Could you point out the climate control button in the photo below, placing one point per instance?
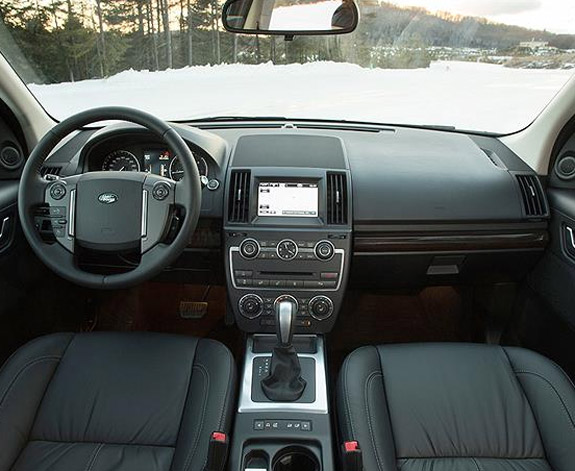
(250, 248)
(320, 308)
(251, 306)
(324, 250)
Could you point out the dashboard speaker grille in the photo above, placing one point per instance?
(532, 196)
(337, 198)
(239, 202)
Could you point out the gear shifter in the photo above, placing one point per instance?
(284, 383)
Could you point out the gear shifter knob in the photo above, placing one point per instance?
(285, 310)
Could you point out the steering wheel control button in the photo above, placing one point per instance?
(58, 211)
(57, 191)
(161, 191)
(250, 248)
(324, 250)
(320, 308)
(251, 306)
(287, 250)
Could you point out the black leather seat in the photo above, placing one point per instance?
(112, 401)
(457, 408)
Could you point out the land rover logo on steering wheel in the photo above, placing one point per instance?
(108, 198)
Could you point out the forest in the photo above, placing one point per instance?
(50, 41)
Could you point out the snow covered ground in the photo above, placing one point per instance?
(466, 95)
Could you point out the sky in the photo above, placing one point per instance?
(557, 16)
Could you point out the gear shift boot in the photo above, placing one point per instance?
(284, 383)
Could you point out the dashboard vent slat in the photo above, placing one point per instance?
(337, 199)
(532, 195)
(48, 170)
(239, 202)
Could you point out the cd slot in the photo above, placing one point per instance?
(283, 274)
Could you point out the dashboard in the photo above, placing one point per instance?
(309, 209)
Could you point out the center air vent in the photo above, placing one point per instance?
(532, 196)
(337, 198)
(239, 202)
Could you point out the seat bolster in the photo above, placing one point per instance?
(209, 406)
(23, 382)
(551, 395)
(362, 409)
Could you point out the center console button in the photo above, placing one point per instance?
(324, 250)
(251, 306)
(287, 249)
(250, 248)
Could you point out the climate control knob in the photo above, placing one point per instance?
(324, 250)
(321, 308)
(251, 306)
(250, 248)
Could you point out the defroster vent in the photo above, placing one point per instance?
(239, 202)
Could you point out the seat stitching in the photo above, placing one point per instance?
(13, 356)
(512, 373)
(457, 457)
(135, 445)
(565, 408)
(192, 451)
(226, 395)
(21, 371)
(93, 457)
(346, 397)
(372, 376)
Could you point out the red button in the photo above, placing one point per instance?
(219, 436)
(351, 446)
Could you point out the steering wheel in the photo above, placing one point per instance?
(110, 212)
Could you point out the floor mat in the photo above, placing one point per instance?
(437, 314)
(157, 307)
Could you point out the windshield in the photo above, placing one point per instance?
(487, 65)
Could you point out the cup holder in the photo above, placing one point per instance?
(295, 458)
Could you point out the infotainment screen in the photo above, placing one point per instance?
(288, 199)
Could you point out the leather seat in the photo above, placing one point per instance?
(113, 401)
(457, 408)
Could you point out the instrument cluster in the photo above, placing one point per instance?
(152, 159)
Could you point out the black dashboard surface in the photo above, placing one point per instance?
(399, 175)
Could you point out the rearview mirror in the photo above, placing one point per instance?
(290, 17)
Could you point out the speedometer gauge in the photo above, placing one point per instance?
(176, 171)
(121, 161)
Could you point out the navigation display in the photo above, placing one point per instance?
(287, 199)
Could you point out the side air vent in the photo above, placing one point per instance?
(532, 195)
(337, 198)
(239, 202)
(45, 170)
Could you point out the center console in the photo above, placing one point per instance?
(287, 255)
(282, 240)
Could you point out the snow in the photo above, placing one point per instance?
(313, 16)
(467, 95)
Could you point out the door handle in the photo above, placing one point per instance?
(569, 240)
(571, 237)
(4, 229)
